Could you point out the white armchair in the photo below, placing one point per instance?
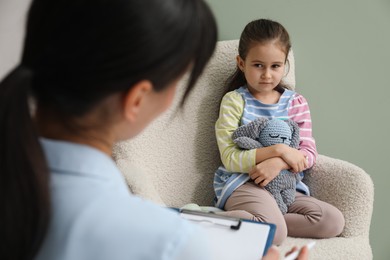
(178, 155)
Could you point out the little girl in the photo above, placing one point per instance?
(256, 90)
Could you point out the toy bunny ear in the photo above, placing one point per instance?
(294, 133)
(251, 129)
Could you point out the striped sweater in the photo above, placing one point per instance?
(240, 107)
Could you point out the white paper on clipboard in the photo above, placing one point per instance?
(231, 238)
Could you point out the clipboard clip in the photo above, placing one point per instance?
(212, 218)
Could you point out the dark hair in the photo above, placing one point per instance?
(76, 53)
(255, 32)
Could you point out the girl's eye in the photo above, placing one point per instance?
(276, 66)
(273, 135)
(258, 65)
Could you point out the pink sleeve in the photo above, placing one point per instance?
(299, 112)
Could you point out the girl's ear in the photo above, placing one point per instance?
(240, 63)
(134, 99)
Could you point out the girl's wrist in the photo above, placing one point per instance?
(280, 163)
(280, 150)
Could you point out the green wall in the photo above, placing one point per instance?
(342, 51)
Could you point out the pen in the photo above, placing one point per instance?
(295, 254)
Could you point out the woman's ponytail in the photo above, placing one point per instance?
(24, 177)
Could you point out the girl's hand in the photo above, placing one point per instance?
(293, 157)
(267, 170)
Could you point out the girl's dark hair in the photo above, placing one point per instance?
(255, 32)
(76, 53)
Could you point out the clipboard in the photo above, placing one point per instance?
(232, 238)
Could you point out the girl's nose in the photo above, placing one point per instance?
(266, 74)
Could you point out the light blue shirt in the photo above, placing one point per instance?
(94, 215)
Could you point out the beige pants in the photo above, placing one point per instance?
(307, 217)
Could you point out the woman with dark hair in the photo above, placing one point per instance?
(99, 72)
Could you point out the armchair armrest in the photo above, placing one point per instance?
(347, 187)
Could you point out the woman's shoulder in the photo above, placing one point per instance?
(135, 213)
(137, 225)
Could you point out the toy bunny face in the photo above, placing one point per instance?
(275, 132)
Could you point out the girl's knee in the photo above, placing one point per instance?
(315, 219)
(335, 222)
(332, 223)
(280, 232)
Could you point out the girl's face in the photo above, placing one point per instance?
(263, 67)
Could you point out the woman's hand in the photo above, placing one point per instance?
(293, 157)
(267, 170)
(273, 253)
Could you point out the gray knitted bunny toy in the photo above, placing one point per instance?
(263, 132)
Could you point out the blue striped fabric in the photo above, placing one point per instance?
(226, 182)
(255, 108)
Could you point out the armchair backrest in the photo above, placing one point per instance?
(178, 153)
